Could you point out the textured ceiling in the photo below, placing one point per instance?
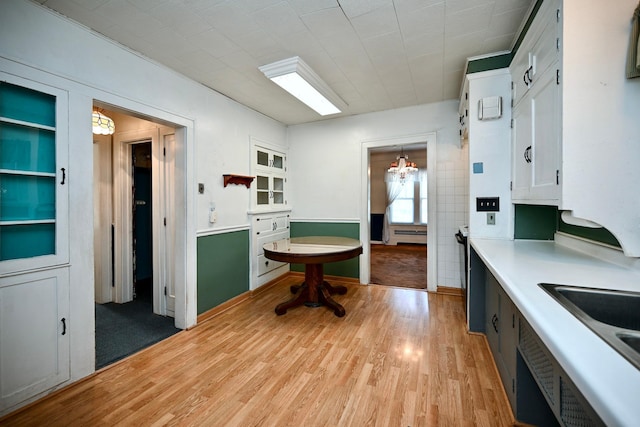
(375, 54)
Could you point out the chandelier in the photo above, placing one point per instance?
(102, 125)
(402, 170)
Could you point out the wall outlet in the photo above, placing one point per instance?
(491, 218)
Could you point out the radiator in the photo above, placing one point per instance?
(410, 232)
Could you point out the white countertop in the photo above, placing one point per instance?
(607, 380)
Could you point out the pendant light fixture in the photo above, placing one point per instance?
(102, 125)
(402, 170)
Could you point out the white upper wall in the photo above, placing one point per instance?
(92, 66)
(324, 157)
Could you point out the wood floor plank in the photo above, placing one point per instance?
(400, 357)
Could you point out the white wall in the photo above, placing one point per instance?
(324, 169)
(490, 144)
(40, 45)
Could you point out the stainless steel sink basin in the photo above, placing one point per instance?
(612, 315)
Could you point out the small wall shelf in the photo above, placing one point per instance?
(237, 179)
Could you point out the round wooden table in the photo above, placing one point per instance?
(313, 252)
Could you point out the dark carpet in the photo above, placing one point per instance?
(124, 329)
(404, 265)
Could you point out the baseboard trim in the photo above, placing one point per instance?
(446, 290)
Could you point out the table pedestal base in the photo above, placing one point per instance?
(314, 292)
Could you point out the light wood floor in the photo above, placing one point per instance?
(400, 357)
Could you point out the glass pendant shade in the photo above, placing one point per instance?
(102, 125)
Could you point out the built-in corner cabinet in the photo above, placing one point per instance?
(269, 213)
(536, 111)
(34, 240)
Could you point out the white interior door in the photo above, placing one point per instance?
(166, 220)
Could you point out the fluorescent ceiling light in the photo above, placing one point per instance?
(297, 78)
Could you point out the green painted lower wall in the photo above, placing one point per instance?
(535, 222)
(541, 222)
(223, 268)
(348, 268)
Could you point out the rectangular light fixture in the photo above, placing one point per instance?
(297, 78)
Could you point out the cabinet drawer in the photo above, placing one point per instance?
(271, 237)
(265, 264)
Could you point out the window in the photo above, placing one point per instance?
(407, 207)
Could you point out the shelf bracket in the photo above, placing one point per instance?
(237, 179)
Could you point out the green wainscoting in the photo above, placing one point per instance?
(348, 268)
(535, 222)
(223, 268)
(541, 222)
(601, 235)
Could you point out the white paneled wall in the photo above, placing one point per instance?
(452, 207)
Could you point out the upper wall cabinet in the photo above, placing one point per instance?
(33, 176)
(536, 100)
(576, 130)
(269, 167)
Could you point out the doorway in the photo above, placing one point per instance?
(426, 142)
(398, 239)
(135, 227)
(142, 224)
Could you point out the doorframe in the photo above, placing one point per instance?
(365, 210)
(186, 308)
(123, 243)
(122, 184)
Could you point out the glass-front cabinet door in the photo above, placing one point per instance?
(33, 176)
(269, 167)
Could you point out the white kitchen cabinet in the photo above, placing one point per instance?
(267, 228)
(33, 176)
(34, 240)
(269, 167)
(596, 118)
(536, 144)
(34, 334)
(538, 52)
(535, 176)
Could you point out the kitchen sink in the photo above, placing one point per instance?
(613, 315)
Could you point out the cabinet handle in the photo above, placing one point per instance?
(63, 176)
(266, 263)
(527, 154)
(64, 326)
(524, 78)
(494, 322)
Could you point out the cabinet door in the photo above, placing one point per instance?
(536, 143)
(508, 343)
(33, 175)
(521, 151)
(545, 138)
(267, 159)
(493, 314)
(34, 334)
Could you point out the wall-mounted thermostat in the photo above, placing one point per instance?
(490, 108)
